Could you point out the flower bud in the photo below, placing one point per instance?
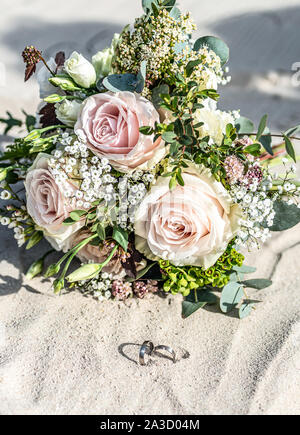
(54, 98)
(88, 271)
(35, 269)
(58, 285)
(64, 82)
(81, 70)
(53, 269)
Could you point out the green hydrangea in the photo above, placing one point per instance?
(187, 278)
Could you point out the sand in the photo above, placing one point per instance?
(73, 355)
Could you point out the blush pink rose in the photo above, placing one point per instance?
(47, 204)
(189, 225)
(110, 124)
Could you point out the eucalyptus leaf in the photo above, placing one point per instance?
(245, 309)
(286, 216)
(202, 296)
(258, 283)
(215, 44)
(232, 294)
(188, 308)
(121, 82)
(244, 125)
(175, 13)
(262, 126)
(292, 131)
(141, 77)
(147, 5)
(290, 148)
(266, 141)
(244, 269)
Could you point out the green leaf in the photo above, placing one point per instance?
(175, 13)
(173, 182)
(244, 269)
(157, 92)
(34, 239)
(290, 148)
(286, 216)
(120, 82)
(77, 214)
(121, 236)
(141, 77)
(262, 126)
(188, 308)
(141, 273)
(258, 283)
(232, 294)
(246, 309)
(191, 66)
(244, 125)
(254, 149)
(266, 141)
(292, 131)
(146, 130)
(169, 136)
(202, 295)
(147, 5)
(214, 44)
(101, 232)
(68, 221)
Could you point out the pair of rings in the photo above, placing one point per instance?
(148, 348)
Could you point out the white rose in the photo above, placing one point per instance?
(189, 225)
(43, 77)
(102, 61)
(81, 70)
(215, 122)
(67, 112)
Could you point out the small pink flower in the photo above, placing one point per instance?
(110, 123)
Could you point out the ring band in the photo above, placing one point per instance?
(168, 349)
(146, 348)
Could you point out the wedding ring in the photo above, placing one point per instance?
(146, 348)
(168, 349)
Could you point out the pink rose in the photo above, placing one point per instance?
(110, 123)
(189, 225)
(47, 203)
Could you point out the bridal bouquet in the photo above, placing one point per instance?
(131, 168)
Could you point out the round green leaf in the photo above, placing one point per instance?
(245, 309)
(232, 294)
(257, 283)
(120, 82)
(286, 216)
(215, 44)
(244, 125)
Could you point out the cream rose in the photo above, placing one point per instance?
(214, 123)
(81, 70)
(110, 122)
(190, 225)
(67, 112)
(48, 205)
(102, 61)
